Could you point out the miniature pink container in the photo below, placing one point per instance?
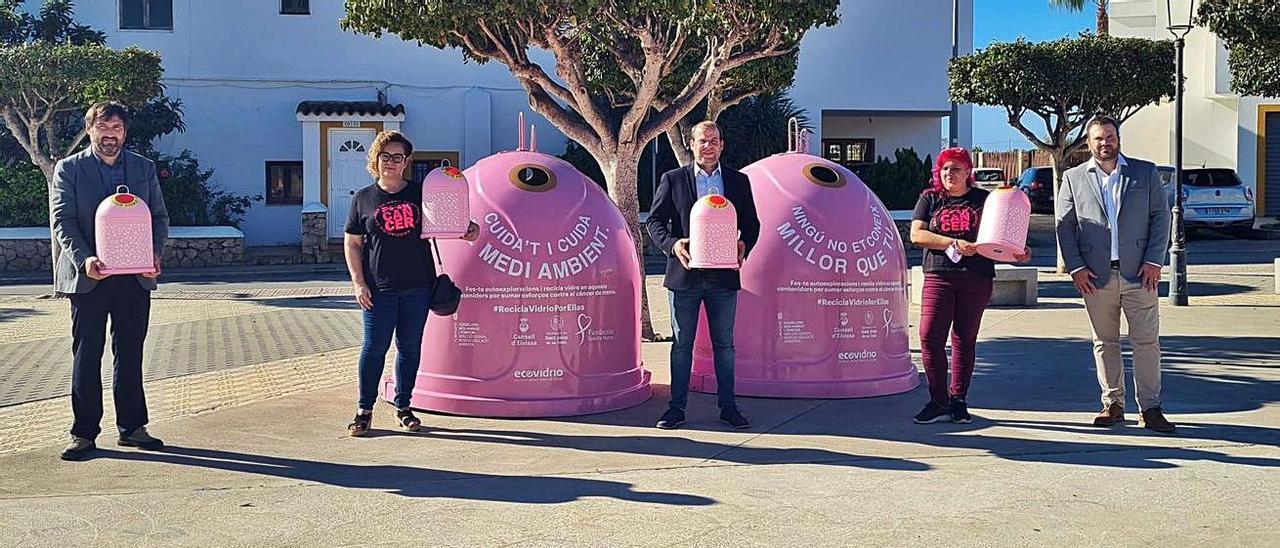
(446, 203)
(122, 234)
(1002, 233)
(713, 233)
(549, 323)
(823, 308)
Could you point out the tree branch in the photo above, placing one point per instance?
(1015, 120)
(576, 84)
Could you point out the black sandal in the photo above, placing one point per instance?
(360, 425)
(407, 420)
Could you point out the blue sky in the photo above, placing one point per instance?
(1004, 21)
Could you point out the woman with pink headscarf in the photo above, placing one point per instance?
(957, 283)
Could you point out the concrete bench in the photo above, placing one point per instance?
(1278, 275)
(1014, 286)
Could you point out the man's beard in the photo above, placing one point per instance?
(108, 148)
(1108, 155)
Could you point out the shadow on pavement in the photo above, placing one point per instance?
(1066, 290)
(1200, 374)
(409, 481)
(16, 314)
(675, 446)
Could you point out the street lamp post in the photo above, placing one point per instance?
(1178, 252)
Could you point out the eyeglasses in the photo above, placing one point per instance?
(392, 158)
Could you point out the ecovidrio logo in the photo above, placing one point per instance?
(538, 374)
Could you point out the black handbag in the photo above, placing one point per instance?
(445, 295)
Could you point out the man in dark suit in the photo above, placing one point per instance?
(689, 289)
(80, 183)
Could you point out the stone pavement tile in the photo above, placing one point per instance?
(38, 319)
(41, 368)
(43, 423)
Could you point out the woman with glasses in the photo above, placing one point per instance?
(392, 273)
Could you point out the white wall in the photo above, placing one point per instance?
(883, 55)
(1219, 128)
(891, 133)
(241, 69)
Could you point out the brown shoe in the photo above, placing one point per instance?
(1111, 415)
(1154, 419)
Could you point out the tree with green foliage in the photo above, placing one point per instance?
(1065, 83)
(625, 72)
(764, 77)
(897, 182)
(1103, 19)
(1251, 31)
(51, 69)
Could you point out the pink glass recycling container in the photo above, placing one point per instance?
(122, 234)
(1002, 233)
(549, 323)
(446, 209)
(713, 233)
(823, 307)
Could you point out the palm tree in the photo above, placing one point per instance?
(1104, 26)
(757, 127)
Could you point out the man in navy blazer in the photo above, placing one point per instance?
(692, 288)
(80, 183)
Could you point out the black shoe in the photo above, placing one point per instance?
(960, 411)
(933, 412)
(141, 439)
(78, 449)
(407, 420)
(671, 420)
(360, 425)
(734, 418)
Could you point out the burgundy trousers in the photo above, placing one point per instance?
(952, 304)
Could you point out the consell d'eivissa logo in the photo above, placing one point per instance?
(547, 373)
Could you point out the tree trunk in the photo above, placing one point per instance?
(46, 166)
(1104, 22)
(622, 175)
(1058, 159)
(675, 137)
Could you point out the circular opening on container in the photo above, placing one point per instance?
(824, 176)
(125, 199)
(533, 178)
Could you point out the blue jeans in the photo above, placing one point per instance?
(721, 304)
(403, 313)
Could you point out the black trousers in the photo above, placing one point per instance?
(129, 306)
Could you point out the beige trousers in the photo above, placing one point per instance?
(1142, 310)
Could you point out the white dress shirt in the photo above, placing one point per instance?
(1109, 187)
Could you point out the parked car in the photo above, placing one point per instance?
(1216, 197)
(988, 177)
(1037, 182)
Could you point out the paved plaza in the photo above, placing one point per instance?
(252, 391)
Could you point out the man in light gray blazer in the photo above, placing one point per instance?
(80, 183)
(1113, 232)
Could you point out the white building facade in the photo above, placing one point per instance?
(281, 102)
(1220, 128)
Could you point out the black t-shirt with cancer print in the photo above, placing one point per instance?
(954, 217)
(395, 256)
